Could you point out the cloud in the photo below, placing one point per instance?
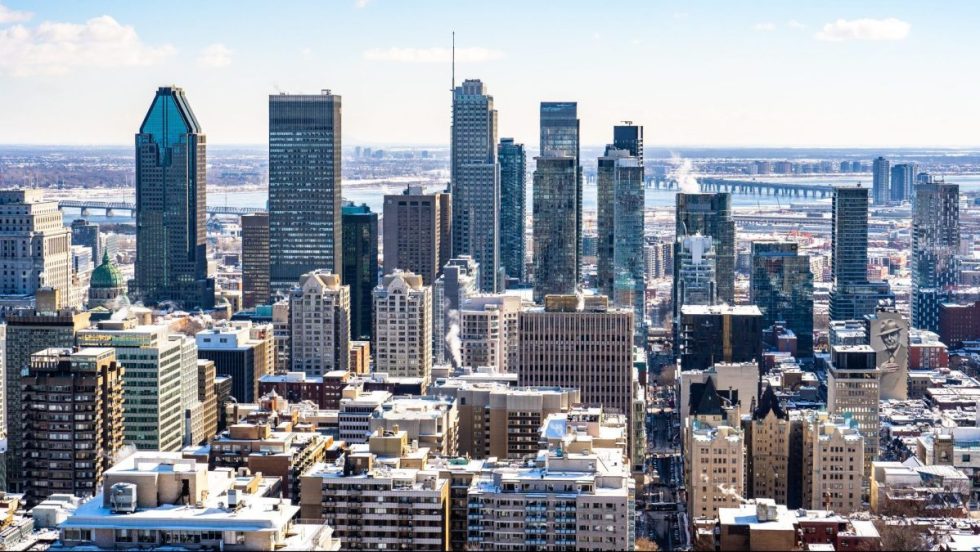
(361, 3)
(765, 26)
(53, 48)
(431, 55)
(864, 29)
(8, 15)
(794, 24)
(215, 55)
(306, 53)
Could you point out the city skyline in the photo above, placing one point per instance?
(820, 75)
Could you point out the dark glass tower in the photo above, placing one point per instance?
(935, 241)
(360, 242)
(171, 197)
(560, 138)
(513, 208)
(782, 288)
(853, 296)
(880, 180)
(555, 255)
(305, 228)
(708, 215)
(255, 260)
(475, 181)
(903, 181)
(629, 137)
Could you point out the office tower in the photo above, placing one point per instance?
(555, 232)
(70, 457)
(416, 232)
(620, 227)
(459, 280)
(852, 296)
(833, 463)
(87, 233)
(242, 350)
(475, 180)
(488, 332)
(255, 260)
(881, 174)
(935, 242)
(360, 266)
(560, 138)
(720, 333)
(37, 246)
(305, 225)
(319, 328)
(155, 362)
(29, 331)
(513, 209)
(107, 286)
(403, 326)
(887, 331)
(903, 181)
(629, 137)
(171, 197)
(695, 275)
(582, 343)
(782, 287)
(708, 215)
(853, 391)
(203, 415)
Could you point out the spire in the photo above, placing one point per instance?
(769, 402)
(709, 403)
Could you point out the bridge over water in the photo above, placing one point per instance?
(111, 207)
(753, 187)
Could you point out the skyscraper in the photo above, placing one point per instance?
(360, 266)
(171, 197)
(853, 390)
(853, 296)
(935, 241)
(403, 326)
(881, 174)
(628, 136)
(305, 224)
(475, 180)
(459, 281)
(513, 208)
(903, 181)
(720, 333)
(695, 278)
(255, 260)
(560, 138)
(782, 288)
(555, 243)
(87, 233)
(36, 249)
(708, 215)
(319, 329)
(417, 232)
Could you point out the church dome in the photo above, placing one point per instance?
(106, 275)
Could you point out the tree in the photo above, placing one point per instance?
(646, 545)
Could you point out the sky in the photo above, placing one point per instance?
(708, 73)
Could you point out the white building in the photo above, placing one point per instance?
(35, 246)
(403, 326)
(319, 311)
(488, 332)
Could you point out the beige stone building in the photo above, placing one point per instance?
(769, 450)
(714, 456)
(36, 249)
(403, 326)
(833, 463)
(853, 391)
(432, 422)
(319, 313)
(488, 332)
(416, 232)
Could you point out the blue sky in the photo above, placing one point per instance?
(825, 73)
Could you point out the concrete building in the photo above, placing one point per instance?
(912, 490)
(935, 244)
(714, 463)
(771, 471)
(719, 333)
(432, 422)
(736, 382)
(475, 180)
(360, 266)
(305, 222)
(325, 391)
(959, 323)
(70, 458)
(202, 416)
(171, 186)
(242, 350)
(319, 328)
(853, 390)
(888, 334)
(403, 326)
(488, 332)
(157, 500)
(459, 280)
(513, 210)
(557, 238)
(357, 408)
(255, 260)
(834, 463)
(903, 181)
(417, 232)
(36, 249)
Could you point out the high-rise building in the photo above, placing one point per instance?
(621, 261)
(560, 138)
(782, 288)
(720, 333)
(459, 280)
(242, 350)
(853, 390)
(305, 224)
(852, 296)
(935, 243)
(556, 244)
(417, 232)
(37, 246)
(29, 331)
(255, 260)
(319, 328)
(774, 452)
(513, 209)
(833, 463)
(70, 457)
(360, 266)
(171, 197)
(488, 332)
(695, 276)
(153, 388)
(403, 326)
(708, 215)
(475, 180)
(903, 181)
(629, 137)
(87, 233)
(887, 331)
(881, 174)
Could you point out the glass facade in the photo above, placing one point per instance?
(360, 271)
(513, 208)
(782, 288)
(560, 138)
(853, 296)
(555, 255)
(935, 242)
(708, 215)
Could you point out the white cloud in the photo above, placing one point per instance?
(765, 26)
(864, 29)
(794, 24)
(215, 55)
(8, 15)
(431, 55)
(53, 48)
(361, 3)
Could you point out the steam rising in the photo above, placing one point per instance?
(452, 338)
(686, 182)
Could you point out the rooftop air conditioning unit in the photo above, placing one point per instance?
(122, 498)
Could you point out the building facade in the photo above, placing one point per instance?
(255, 260)
(319, 327)
(403, 326)
(556, 236)
(853, 391)
(935, 244)
(360, 266)
(36, 249)
(559, 127)
(708, 215)
(852, 296)
(417, 232)
(513, 210)
(782, 287)
(881, 175)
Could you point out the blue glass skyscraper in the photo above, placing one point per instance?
(513, 208)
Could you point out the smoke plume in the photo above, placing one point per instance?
(686, 182)
(452, 339)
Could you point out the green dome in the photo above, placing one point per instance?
(106, 275)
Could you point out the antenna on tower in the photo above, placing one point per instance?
(454, 60)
